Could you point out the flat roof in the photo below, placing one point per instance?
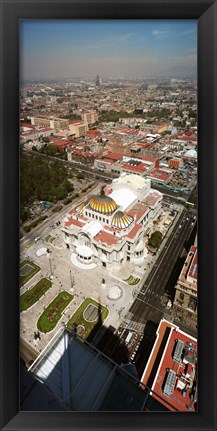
(138, 210)
(162, 360)
(123, 197)
(132, 234)
(159, 174)
(108, 238)
(152, 198)
(138, 168)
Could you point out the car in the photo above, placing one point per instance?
(37, 238)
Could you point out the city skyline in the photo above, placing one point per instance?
(52, 49)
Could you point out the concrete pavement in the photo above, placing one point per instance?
(57, 266)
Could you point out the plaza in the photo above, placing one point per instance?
(112, 287)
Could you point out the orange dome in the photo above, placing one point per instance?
(80, 208)
(102, 204)
(121, 220)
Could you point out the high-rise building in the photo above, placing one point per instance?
(97, 81)
(82, 378)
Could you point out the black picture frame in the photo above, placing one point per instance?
(205, 11)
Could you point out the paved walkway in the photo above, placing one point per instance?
(65, 276)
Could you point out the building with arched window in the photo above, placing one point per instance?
(108, 229)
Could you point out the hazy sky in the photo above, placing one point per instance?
(110, 48)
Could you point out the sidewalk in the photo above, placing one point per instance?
(85, 284)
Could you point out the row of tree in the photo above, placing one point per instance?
(51, 150)
(114, 116)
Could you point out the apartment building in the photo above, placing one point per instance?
(185, 301)
(89, 117)
(78, 128)
(53, 123)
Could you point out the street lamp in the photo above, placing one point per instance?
(50, 266)
(72, 280)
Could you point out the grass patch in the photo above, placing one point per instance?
(52, 314)
(132, 280)
(34, 294)
(90, 328)
(50, 239)
(31, 273)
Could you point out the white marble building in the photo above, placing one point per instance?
(108, 229)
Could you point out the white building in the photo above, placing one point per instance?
(108, 229)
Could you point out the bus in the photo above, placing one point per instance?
(190, 204)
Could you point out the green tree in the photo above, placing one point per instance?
(155, 239)
(80, 176)
(46, 139)
(42, 180)
(50, 150)
(60, 192)
(24, 213)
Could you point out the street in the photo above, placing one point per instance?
(151, 299)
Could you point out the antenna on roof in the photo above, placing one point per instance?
(102, 193)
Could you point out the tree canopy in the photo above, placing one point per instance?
(42, 180)
(114, 116)
(155, 239)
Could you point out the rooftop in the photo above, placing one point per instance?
(123, 197)
(113, 156)
(138, 210)
(159, 174)
(131, 179)
(141, 167)
(172, 367)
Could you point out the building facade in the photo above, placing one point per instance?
(78, 128)
(185, 301)
(108, 229)
(90, 117)
(54, 123)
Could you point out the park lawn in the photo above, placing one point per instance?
(52, 314)
(35, 269)
(78, 318)
(34, 294)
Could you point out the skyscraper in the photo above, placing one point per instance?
(97, 81)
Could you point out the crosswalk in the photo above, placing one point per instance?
(133, 326)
